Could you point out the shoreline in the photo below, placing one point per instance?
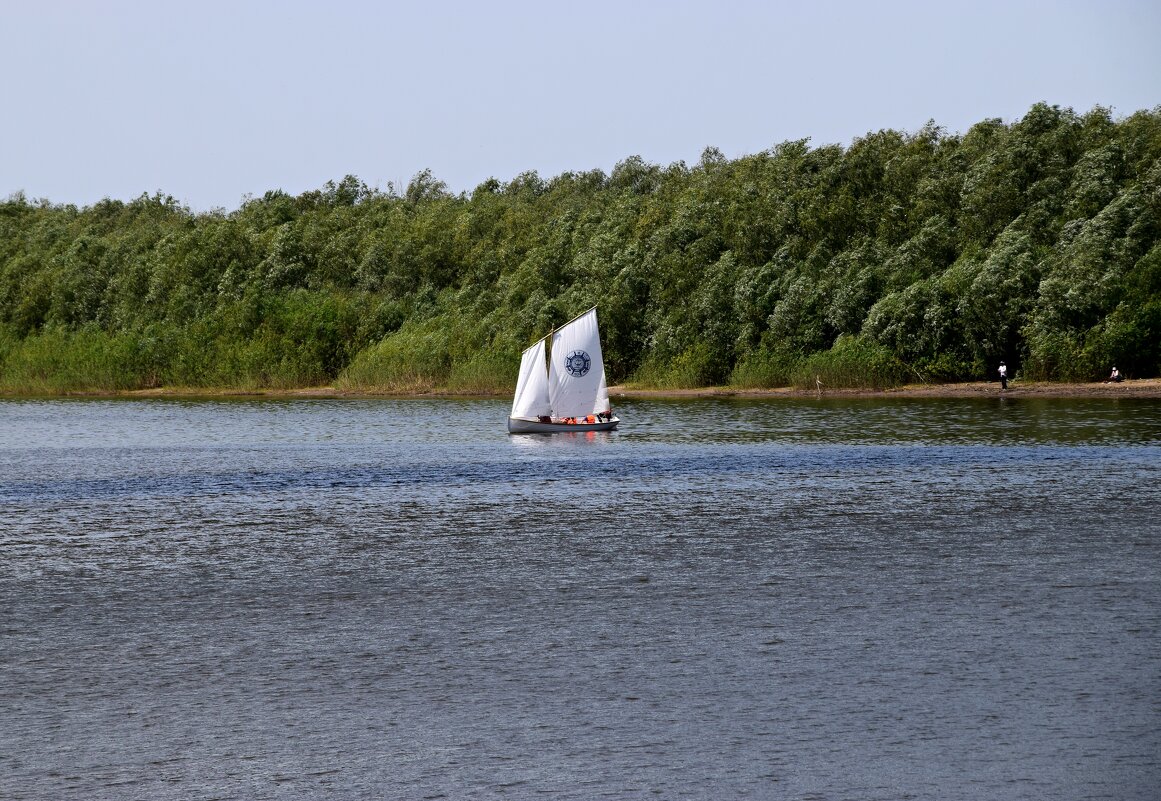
(1138, 388)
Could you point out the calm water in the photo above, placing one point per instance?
(395, 599)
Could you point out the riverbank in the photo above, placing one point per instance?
(1141, 388)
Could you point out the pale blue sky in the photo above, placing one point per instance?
(211, 101)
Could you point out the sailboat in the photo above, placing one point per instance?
(564, 390)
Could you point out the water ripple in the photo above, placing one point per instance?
(870, 600)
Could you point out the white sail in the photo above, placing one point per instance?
(570, 395)
(576, 373)
(532, 387)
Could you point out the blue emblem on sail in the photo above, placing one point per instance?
(577, 363)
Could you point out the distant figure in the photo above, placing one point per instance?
(1003, 376)
(1115, 378)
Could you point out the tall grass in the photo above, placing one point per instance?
(422, 363)
(763, 369)
(438, 354)
(691, 369)
(852, 363)
(485, 374)
(409, 361)
(56, 362)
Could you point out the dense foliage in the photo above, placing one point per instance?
(922, 256)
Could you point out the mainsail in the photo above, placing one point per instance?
(576, 372)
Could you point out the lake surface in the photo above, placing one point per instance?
(788, 599)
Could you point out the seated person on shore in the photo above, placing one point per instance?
(1115, 377)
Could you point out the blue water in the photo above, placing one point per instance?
(804, 599)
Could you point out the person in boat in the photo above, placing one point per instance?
(1115, 377)
(1003, 376)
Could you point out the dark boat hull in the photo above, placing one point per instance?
(519, 425)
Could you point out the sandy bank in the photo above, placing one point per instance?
(1143, 388)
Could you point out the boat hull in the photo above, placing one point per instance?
(519, 425)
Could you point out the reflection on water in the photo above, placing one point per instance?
(564, 440)
(781, 599)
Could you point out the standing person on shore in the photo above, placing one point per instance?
(1003, 376)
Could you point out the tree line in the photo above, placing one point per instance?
(923, 256)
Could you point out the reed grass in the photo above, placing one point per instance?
(763, 369)
(58, 362)
(61, 362)
(852, 363)
(691, 369)
(409, 361)
(485, 374)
